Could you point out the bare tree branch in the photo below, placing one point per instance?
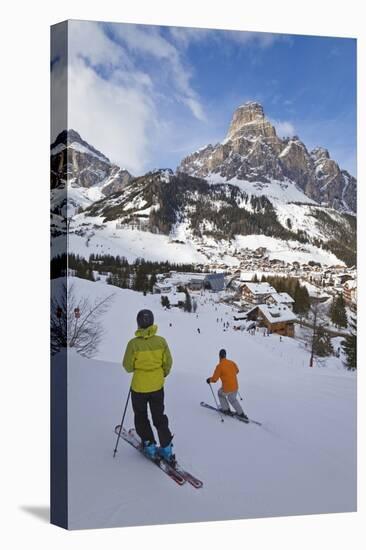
(85, 332)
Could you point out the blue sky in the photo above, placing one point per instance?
(147, 96)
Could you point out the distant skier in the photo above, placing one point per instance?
(227, 371)
(148, 357)
(199, 331)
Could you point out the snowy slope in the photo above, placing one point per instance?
(132, 244)
(77, 146)
(281, 191)
(288, 251)
(301, 461)
(191, 215)
(82, 197)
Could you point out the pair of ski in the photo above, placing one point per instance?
(247, 421)
(174, 470)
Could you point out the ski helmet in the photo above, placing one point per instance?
(222, 353)
(145, 318)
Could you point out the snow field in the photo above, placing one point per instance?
(133, 243)
(302, 460)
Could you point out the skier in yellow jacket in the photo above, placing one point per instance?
(148, 357)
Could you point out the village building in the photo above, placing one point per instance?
(276, 319)
(256, 293)
(215, 282)
(196, 284)
(350, 291)
(280, 298)
(162, 287)
(342, 278)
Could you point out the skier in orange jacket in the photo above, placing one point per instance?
(227, 371)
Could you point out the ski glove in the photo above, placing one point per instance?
(208, 380)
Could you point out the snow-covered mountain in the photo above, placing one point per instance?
(81, 172)
(254, 154)
(252, 185)
(209, 219)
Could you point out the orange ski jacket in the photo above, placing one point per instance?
(226, 370)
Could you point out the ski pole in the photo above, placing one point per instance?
(217, 405)
(241, 399)
(121, 425)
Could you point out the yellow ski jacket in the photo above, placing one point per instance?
(149, 358)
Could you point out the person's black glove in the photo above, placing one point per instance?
(208, 380)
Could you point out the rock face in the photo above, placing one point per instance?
(253, 152)
(74, 161)
(249, 121)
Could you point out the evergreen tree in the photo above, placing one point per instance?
(349, 346)
(322, 344)
(188, 302)
(141, 281)
(152, 282)
(332, 310)
(302, 300)
(297, 296)
(338, 313)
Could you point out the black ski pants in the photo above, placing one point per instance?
(155, 400)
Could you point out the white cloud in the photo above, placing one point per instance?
(130, 87)
(261, 39)
(148, 41)
(87, 39)
(112, 100)
(114, 118)
(284, 128)
(185, 36)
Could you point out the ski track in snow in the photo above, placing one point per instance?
(302, 460)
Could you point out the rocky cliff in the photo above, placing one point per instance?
(253, 152)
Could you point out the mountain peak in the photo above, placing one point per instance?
(253, 152)
(66, 137)
(249, 119)
(320, 153)
(71, 138)
(252, 108)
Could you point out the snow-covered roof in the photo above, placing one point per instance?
(275, 314)
(163, 284)
(185, 277)
(216, 281)
(260, 288)
(282, 298)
